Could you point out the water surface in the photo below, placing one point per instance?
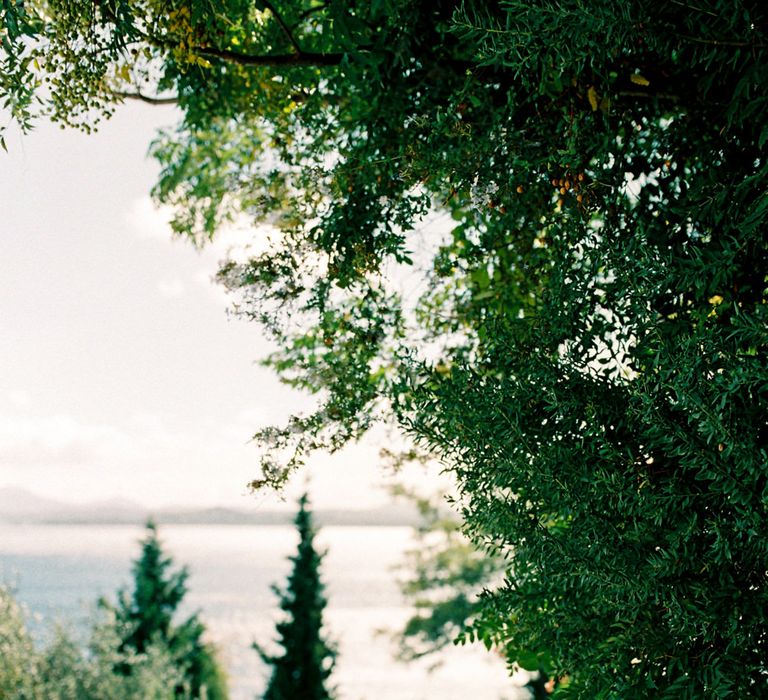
(60, 570)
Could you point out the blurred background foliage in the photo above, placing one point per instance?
(133, 650)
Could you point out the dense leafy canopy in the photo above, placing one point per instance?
(586, 345)
(305, 663)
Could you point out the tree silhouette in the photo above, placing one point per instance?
(147, 615)
(301, 671)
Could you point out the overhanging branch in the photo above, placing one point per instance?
(302, 58)
(147, 98)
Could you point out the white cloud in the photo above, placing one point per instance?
(149, 221)
(171, 288)
(206, 279)
(245, 423)
(154, 459)
(20, 398)
(241, 240)
(58, 440)
(238, 240)
(163, 458)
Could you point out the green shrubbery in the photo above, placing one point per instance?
(132, 652)
(64, 670)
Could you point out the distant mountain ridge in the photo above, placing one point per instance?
(21, 506)
(16, 501)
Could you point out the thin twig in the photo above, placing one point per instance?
(694, 7)
(640, 93)
(283, 26)
(311, 11)
(719, 42)
(305, 58)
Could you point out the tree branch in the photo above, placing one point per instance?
(722, 42)
(303, 58)
(147, 98)
(658, 95)
(311, 11)
(283, 26)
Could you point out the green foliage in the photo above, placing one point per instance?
(17, 652)
(445, 574)
(306, 662)
(62, 671)
(157, 592)
(135, 652)
(587, 346)
(445, 577)
(147, 618)
(17, 83)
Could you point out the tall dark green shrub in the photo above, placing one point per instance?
(147, 616)
(302, 669)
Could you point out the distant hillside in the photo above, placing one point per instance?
(386, 515)
(16, 502)
(21, 506)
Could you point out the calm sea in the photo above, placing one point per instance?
(58, 571)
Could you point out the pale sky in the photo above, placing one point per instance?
(120, 372)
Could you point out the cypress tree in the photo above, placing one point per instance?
(157, 592)
(148, 616)
(301, 671)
